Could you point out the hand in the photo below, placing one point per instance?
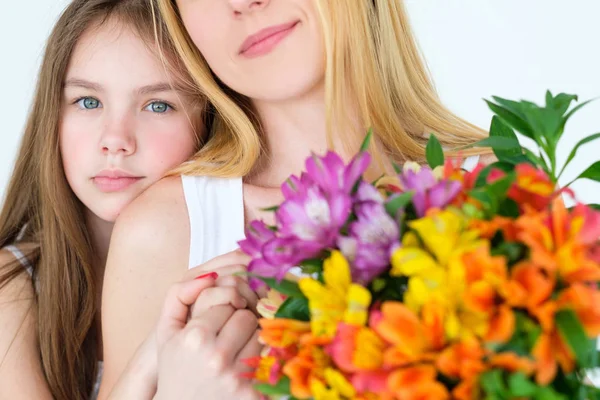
(200, 358)
(231, 268)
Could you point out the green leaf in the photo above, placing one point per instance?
(396, 203)
(493, 383)
(511, 119)
(509, 208)
(294, 308)
(594, 206)
(520, 386)
(367, 141)
(592, 172)
(500, 187)
(397, 168)
(516, 107)
(312, 265)
(547, 393)
(512, 251)
(281, 388)
(434, 152)
(285, 287)
(271, 209)
(500, 129)
(570, 328)
(499, 143)
(577, 146)
(561, 102)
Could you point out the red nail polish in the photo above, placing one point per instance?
(212, 275)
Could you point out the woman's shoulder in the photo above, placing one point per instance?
(162, 205)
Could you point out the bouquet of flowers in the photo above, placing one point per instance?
(437, 282)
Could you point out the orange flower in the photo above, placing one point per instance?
(266, 369)
(549, 352)
(512, 362)
(487, 229)
(412, 340)
(282, 332)
(417, 383)
(309, 364)
(356, 348)
(529, 286)
(532, 188)
(585, 301)
(560, 241)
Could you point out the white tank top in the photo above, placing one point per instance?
(216, 212)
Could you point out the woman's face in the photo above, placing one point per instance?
(123, 125)
(270, 50)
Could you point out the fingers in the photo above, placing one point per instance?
(243, 288)
(176, 306)
(252, 348)
(236, 257)
(214, 296)
(236, 333)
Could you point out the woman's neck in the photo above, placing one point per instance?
(295, 129)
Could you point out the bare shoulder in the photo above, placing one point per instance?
(148, 253)
(487, 159)
(21, 375)
(19, 288)
(155, 215)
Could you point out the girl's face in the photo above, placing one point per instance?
(123, 125)
(269, 50)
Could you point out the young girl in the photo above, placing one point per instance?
(111, 115)
(287, 78)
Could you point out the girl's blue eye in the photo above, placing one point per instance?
(88, 103)
(158, 107)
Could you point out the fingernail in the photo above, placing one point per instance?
(212, 275)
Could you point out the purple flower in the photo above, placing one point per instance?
(428, 191)
(373, 238)
(272, 256)
(314, 216)
(331, 174)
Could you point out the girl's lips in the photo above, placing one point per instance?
(114, 184)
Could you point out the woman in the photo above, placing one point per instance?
(286, 78)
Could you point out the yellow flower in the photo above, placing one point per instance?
(267, 307)
(438, 275)
(337, 300)
(339, 387)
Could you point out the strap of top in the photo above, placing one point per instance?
(216, 212)
(18, 254)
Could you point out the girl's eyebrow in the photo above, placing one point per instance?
(144, 90)
(155, 88)
(82, 83)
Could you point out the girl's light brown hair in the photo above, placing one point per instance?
(372, 58)
(40, 203)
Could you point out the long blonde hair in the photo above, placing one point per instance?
(40, 204)
(371, 52)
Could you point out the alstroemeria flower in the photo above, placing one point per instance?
(336, 300)
(532, 188)
(314, 216)
(372, 239)
(331, 174)
(272, 255)
(430, 191)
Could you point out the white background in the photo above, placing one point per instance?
(475, 49)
